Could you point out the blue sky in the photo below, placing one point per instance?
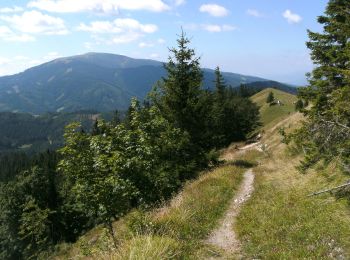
(256, 37)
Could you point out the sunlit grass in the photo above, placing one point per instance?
(281, 222)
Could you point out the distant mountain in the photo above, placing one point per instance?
(97, 81)
(261, 85)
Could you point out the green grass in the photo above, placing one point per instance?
(271, 115)
(281, 222)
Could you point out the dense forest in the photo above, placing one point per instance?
(31, 134)
(139, 160)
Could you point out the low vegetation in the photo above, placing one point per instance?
(173, 231)
(280, 221)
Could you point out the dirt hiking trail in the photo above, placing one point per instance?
(224, 236)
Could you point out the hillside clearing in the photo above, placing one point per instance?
(271, 115)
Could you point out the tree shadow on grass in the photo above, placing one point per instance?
(243, 163)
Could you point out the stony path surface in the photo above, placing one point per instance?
(224, 236)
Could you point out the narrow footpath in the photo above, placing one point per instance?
(224, 237)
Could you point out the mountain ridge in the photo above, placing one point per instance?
(99, 81)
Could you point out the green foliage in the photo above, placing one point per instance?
(180, 93)
(33, 134)
(270, 98)
(326, 133)
(34, 228)
(36, 212)
(232, 116)
(299, 105)
(120, 168)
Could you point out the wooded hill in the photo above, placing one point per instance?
(94, 81)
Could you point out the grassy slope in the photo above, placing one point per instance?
(280, 221)
(174, 231)
(270, 115)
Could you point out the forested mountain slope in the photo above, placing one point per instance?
(98, 81)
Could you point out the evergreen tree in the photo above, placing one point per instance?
(299, 105)
(326, 133)
(116, 118)
(270, 98)
(218, 111)
(244, 91)
(220, 86)
(182, 101)
(95, 129)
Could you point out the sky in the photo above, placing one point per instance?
(263, 38)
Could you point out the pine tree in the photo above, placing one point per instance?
(270, 98)
(326, 133)
(220, 86)
(180, 97)
(299, 105)
(218, 111)
(116, 118)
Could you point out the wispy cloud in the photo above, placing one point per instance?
(98, 6)
(14, 9)
(6, 34)
(117, 26)
(214, 10)
(146, 45)
(213, 28)
(218, 28)
(254, 12)
(154, 55)
(292, 17)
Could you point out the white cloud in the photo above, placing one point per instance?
(51, 56)
(218, 28)
(21, 58)
(254, 12)
(4, 61)
(124, 30)
(117, 26)
(214, 28)
(179, 2)
(7, 34)
(292, 17)
(88, 45)
(161, 41)
(36, 23)
(214, 10)
(125, 38)
(19, 63)
(154, 55)
(99, 6)
(146, 45)
(14, 9)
